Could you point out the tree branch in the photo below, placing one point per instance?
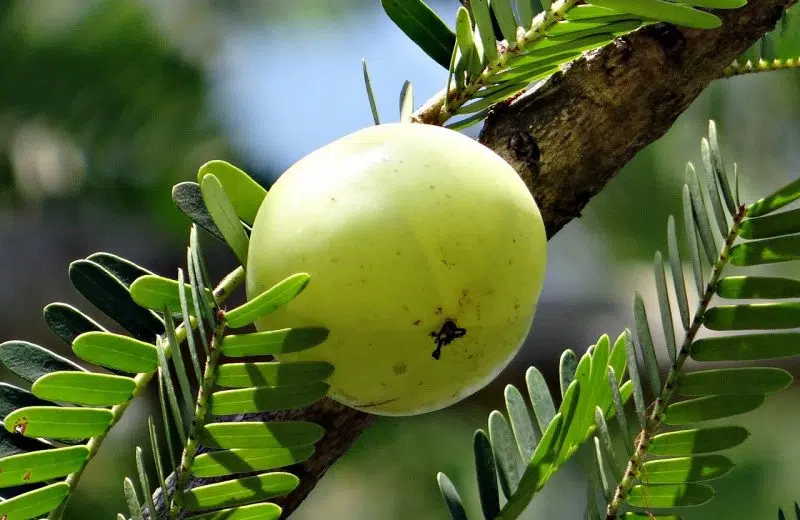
(567, 139)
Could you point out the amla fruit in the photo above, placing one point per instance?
(427, 256)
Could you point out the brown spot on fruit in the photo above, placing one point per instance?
(399, 369)
(417, 322)
(446, 335)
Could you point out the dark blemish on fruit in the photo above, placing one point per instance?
(376, 403)
(399, 369)
(438, 310)
(417, 322)
(446, 335)
(404, 307)
(432, 186)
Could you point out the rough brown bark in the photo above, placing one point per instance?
(569, 137)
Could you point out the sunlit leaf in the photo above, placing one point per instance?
(711, 407)
(270, 300)
(270, 373)
(245, 194)
(116, 351)
(34, 503)
(670, 495)
(704, 440)
(249, 460)
(56, 422)
(85, 388)
(265, 398)
(762, 287)
(685, 469)
(274, 434)
(240, 491)
(273, 342)
(39, 466)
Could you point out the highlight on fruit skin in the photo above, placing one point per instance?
(427, 256)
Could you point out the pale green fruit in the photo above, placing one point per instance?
(406, 230)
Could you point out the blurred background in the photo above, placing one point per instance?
(104, 105)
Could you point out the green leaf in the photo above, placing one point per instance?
(548, 47)
(423, 27)
(784, 223)
(240, 491)
(454, 504)
(116, 351)
(483, 23)
(245, 194)
(664, 306)
(577, 427)
(585, 12)
(273, 342)
(701, 214)
(733, 381)
(769, 251)
(540, 468)
(691, 237)
(155, 292)
(567, 366)
(604, 437)
(34, 503)
(186, 319)
(38, 466)
(68, 323)
(110, 296)
(466, 40)
(486, 468)
(776, 201)
(162, 401)
(676, 268)
(177, 362)
(270, 373)
(710, 408)
(84, 388)
(30, 362)
(685, 469)
(714, 188)
(225, 217)
(169, 391)
(618, 409)
(144, 481)
(716, 157)
(370, 94)
(753, 316)
(248, 460)
(289, 434)
(506, 454)
(479, 105)
(705, 440)
(156, 451)
(56, 422)
(265, 398)
(406, 102)
(505, 19)
(526, 11)
(189, 199)
(646, 343)
(270, 300)
(124, 270)
(633, 372)
(134, 506)
(265, 511)
(762, 287)
(521, 423)
(664, 11)
(670, 495)
(542, 401)
(746, 347)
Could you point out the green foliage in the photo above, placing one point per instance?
(670, 462)
(777, 50)
(534, 42)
